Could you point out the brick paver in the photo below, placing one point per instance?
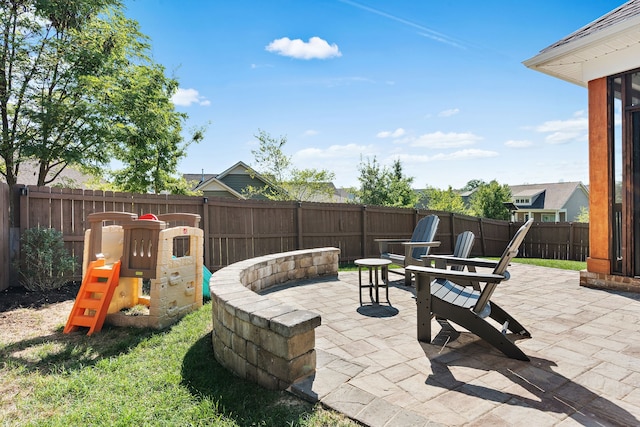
(584, 350)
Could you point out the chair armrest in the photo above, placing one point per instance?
(467, 262)
(454, 275)
(383, 244)
(410, 246)
(421, 244)
(441, 260)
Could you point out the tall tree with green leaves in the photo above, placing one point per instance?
(286, 181)
(374, 183)
(445, 200)
(63, 66)
(148, 132)
(400, 192)
(383, 187)
(51, 54)
(488, 201)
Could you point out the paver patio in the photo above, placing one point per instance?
(584, 350)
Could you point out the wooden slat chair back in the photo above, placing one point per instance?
(501, 269)
(457, 296)
(415, 248)
(425, 231)
(462, 249)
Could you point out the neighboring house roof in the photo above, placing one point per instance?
(70, 177)
(199, 178)
(551, 196)
(607, 46)
(231, 182)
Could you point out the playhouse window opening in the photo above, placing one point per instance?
(181, 246)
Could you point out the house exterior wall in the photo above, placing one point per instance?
(577, 200)
(218, 194)
(241, 181)
(600, 176)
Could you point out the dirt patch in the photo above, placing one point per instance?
(25, 314)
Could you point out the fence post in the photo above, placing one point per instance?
(208, 256)
(571, 246)
(364, 231)
(299, 237)
(452, 229)
(482, 240)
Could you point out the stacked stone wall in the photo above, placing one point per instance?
(259, 339)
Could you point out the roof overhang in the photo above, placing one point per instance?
(608, 51)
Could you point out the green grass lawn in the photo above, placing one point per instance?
(125, 377)
(553, 263)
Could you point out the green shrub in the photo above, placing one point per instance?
(45, 262)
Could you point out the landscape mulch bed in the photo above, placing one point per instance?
(18, 297)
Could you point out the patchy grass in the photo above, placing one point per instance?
(553, 263)
(353, 267)
(124, 376)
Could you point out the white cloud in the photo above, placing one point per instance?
(448, 113)
(445, 140)
(310, 132)
(469, 153)
(518, 144)
(391, 134)
(466, 154)
(186, 97)
(315, 48)
(255, 66)
(343, 160)
(565, 131)
(334, 152)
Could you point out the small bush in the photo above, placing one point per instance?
(45, 262)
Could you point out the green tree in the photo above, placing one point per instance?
(583, 216)
(488, 201)
(400, 192)
(374, 183)
(49, 51)
(445, 200)
(286, 181)
(383, 187)
(63, 67)
(148, 132)
(473, 184)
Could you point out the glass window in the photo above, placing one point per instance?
(548, 218)
(634, 89)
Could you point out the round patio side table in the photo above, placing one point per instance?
(372, 265)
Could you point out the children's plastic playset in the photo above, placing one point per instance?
(138, 271)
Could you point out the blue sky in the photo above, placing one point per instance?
(439, 85)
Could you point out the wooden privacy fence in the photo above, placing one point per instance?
(235, 230)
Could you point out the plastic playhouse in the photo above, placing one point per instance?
(139, 272)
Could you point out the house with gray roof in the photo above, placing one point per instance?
(552, 202)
